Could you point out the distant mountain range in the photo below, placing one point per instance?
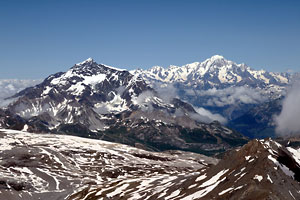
(148, 107)
(219, 85)
(245, 98)
(98, 101)
(215, 72)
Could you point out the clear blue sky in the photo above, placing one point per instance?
(38, 38)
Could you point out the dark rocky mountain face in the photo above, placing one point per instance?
(48, 166)
(97, 101)
(258, 122)
(10, 120)
(208, 139)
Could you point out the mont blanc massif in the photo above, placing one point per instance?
(205, 130)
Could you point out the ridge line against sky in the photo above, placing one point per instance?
(39, 38)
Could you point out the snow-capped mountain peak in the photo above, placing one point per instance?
(89, 60)
(215, 60)
(81, 94)
(90, 63)
(217, 57)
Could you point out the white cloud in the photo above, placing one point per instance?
(166, 92)
(232, 95)
(9, 87)
(211, 117)
(288, 121)
(144, 100)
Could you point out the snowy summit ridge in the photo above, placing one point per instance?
(214, 72)
(89, 60)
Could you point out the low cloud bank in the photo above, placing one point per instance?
(288, 121)
(9, 87)
(233, 95)
(166, 91)
(211, 117)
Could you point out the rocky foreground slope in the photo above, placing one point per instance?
(34, 166)
(259, 170)
(47, 166)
